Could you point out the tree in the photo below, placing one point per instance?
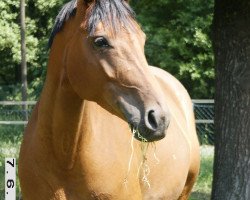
(40, 16)
(10, 45)
(23, 52)
(232, 109)
(23, 57)
(178, 40)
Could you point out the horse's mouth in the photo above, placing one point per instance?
(144, 135)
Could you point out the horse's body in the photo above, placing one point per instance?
(77, 149)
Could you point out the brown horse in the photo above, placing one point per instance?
(78, 143)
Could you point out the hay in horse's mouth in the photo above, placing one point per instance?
(147, 137)
(143, 167)
(136, 134)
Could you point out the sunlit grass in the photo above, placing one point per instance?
(202, 188)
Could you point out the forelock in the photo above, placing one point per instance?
(111, 13)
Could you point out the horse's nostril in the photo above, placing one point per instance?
(152, 119)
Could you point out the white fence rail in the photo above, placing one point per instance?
(13, 122)
(203, 101)
(13, 103)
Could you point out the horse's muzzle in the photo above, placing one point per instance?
(153, 126)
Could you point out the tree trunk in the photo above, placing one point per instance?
(232, 101)
(23, 57)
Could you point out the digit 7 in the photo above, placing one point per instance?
(11, 163)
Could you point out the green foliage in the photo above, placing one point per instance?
(178, 41)
(9, 41)
(203, 186)
(40, 16)
(10, 55)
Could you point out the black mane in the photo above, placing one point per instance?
(68, 10)
(112, 13)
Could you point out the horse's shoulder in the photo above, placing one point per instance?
(174, 90)
(171, 83)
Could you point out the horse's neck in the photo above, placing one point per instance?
(66, 123)
(60, 119)
(77, 131)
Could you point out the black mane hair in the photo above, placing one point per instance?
(68, 10)
(112, 13)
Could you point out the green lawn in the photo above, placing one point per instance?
(10, 143)
(202, 188)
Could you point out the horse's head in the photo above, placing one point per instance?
(105, 63)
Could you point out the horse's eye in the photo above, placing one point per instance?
(101, 42)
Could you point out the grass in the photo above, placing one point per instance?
(202, 188)
(10, 143)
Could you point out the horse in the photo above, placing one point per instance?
(99, 94)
